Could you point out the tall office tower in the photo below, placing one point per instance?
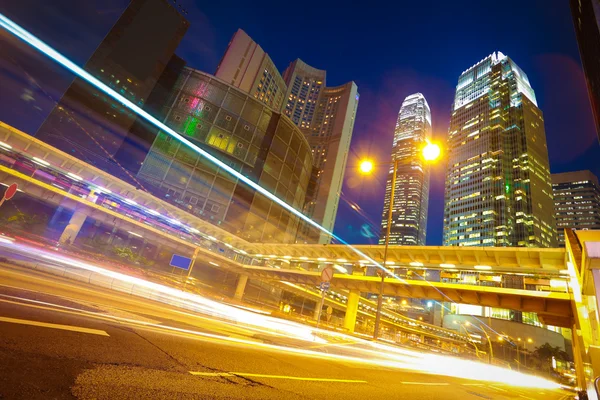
(576, 201)
(498, 187)
(245, 65)
(411, 197)
(326, 116)
(87, 123)
(586, 18)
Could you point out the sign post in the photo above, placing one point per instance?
(9, 193)
(326, 276)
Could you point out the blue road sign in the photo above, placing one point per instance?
(180, 262)
(324, 286)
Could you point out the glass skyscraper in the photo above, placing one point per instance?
(92, 126)
(409, 211)
(498, 187)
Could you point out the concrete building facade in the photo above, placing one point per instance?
(576, 201)
(246, 66)
(326, 115)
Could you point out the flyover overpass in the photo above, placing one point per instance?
(578, 265)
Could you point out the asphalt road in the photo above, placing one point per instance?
(61, 339)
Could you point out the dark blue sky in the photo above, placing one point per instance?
(389, 50)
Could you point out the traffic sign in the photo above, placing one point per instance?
(10, 191)
(327, 274)
(324, 286)
(182, 262)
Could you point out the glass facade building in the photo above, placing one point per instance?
(246, 134)
(411, 198)
(87, 123)
(498, 190)
(326, 116)
(576, 201)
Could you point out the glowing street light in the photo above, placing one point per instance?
(366, 167)
(430, 152)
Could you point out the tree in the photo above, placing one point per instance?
(545, 352)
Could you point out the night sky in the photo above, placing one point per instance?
(389, 50)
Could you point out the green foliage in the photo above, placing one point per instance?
(24, 221)
(546, 351)
(125, 253)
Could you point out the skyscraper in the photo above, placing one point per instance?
(586, 19)
(245, 65)
(87, 123)
(576, 201)
(326, 116)
(411, 198)
(498, 187)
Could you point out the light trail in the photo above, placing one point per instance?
(431, 364)
(47, 50)
(42, 47)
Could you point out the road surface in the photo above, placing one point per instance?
(61, 339)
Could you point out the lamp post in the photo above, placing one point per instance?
(430, 152)
(468, 337)
(491, 353)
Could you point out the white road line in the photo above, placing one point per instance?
(426, 383)
(54, 326)
(295, 378)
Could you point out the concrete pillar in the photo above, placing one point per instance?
(316, 313)
(73, 227)
(241, 286)
(351, 310)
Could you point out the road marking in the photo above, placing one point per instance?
(473, 384)
(54, 326)
(295, 378)
(497, 388)
(525, 397)
(426, 383)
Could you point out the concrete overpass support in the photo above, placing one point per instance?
(351, 310)
(74, 226)
(241, 287)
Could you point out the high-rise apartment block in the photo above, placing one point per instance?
(576, 201)
(324, 114)
(87, 123)
(498, 188)
(245, 65)
(586, 19)
(411, 197)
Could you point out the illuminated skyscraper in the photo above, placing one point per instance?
(576, 201)
(326, 116)
(498, 187)
(409, 211)
(90, 125)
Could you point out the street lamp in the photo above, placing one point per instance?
(491, 353)
(430, 152)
